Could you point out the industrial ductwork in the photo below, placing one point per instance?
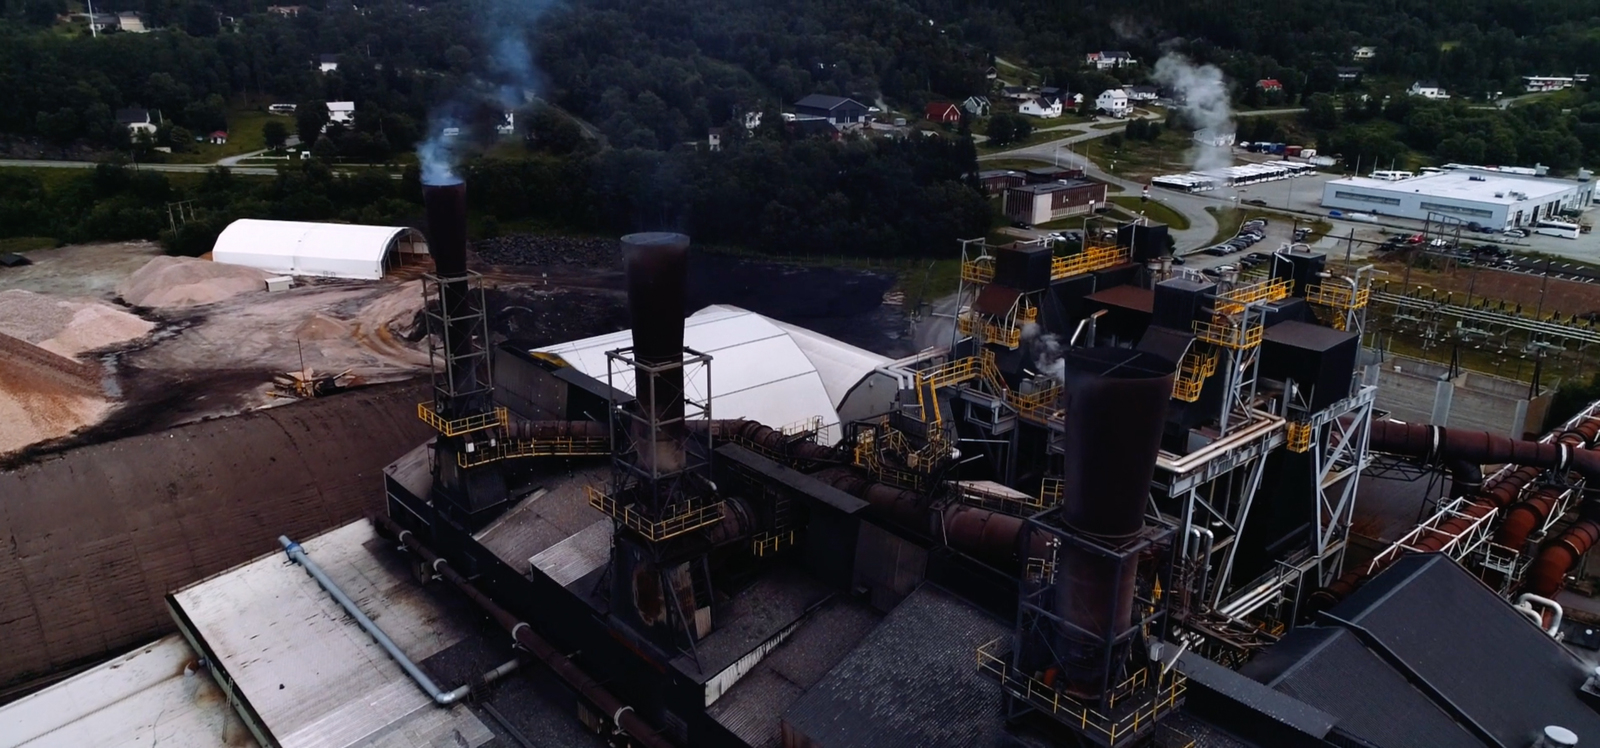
(1566, 451)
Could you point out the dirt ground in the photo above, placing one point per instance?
(1565, 297)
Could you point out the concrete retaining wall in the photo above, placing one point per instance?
(1475, 401)
(92, 538)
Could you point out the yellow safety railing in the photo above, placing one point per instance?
(456, 427)
(1037, 407)
(565, 446)
(980, 270)
(1196, 366)
(772, 542)
(1009, 336)
(1234, 301)
(1087, 261)
(1298, 436)
(1338, 297)
(690, 516)
(1236, 337)
(866, 456)
(1126, 729)
(1040, 569)
(1051, 491)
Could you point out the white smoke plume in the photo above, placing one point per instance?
(1206, 107)
(1048, 353)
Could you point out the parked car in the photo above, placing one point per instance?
(1176, 260)
(1256, 201)
(1438, 243)
(1262, 256)
(1516, 233)
(1474, 226)
(1217, 251)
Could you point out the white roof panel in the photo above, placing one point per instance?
(761, 369)
(337, 250)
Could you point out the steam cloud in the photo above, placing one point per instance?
(1204, 93)
(508, 81)
(1048, 353)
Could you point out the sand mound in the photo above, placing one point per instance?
(322, 327)
(36, 405)
(170, 282)
(66, 327)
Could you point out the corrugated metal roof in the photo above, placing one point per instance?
(912, 682)
(154, 695)
(338, 250)
(307, 669)
(760, 369)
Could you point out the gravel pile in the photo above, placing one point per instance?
(66, 327)
(535, 250)
(172, 282)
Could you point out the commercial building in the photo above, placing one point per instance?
(1470, 195)
(1042, 203)
(996, 181)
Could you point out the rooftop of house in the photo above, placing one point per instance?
(824, 101)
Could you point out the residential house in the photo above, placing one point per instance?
(752, 120)
(1537, 83)
(1106, 60)
(287, 11)
(991, 73)
(714, 139)
(1041, 107)
(1113, 101)
(136, 120)
(1034, 204)
(995, 181)
(813, 127)
(1143, 93)
(341, 112)
(217, 138)
(1427, 90)
(836, 109)
(327, 63)
(977, 106)
(508, 124)
(1270, 85)
(130, 22)
(942, 112)
(1364, 53)
(1018, 93)
(100, 21)
(1348, 74)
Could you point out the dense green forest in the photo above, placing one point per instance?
(632, 83)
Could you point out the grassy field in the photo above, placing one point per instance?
(1109, 125)
(244, 136)
(25, 243)
(1136, 159)
(1033, 139)
(1155, 210)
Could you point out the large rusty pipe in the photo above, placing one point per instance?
(1523, 516)
(1558, 558)
(574, 676)
(657, 267)
(769, 439)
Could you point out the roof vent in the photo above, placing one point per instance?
(1477, 178)
(1556, 737)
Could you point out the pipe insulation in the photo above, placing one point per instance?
(522, 632)
(440, 696)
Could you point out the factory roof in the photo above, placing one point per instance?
(761, 369)
(338, 250)
(1466, 184)
(912, 682)
(156, 694)
(1056, 186)
(1422, 639)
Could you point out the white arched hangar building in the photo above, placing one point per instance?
(333, 250)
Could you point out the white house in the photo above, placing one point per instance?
(1427, 90)
(508, 124)
(977, 106)
(752, 120)
(1364, 53)
(1041, 107)
(1143, 93)
(341, 112)
(137, 121)
(1105, 60)
(714, 139)
(1113, 101)
(130, 22)
(1536, 83)
(327, 63)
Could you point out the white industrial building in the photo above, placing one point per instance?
(762, 369)
(1489, 197)
(335, 250)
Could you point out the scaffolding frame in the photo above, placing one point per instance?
(443, 325)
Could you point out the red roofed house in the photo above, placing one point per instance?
(218, 138)
(1269, 84)
(943, 111)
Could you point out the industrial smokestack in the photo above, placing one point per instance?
(1116, 407)
(446, 207)
(657, 266)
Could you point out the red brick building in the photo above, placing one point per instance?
(1041, 203)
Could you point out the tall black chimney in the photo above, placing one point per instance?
(657, 265)
(446, 207)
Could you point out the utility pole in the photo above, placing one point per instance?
(93, 32)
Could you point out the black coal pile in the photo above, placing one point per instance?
(542, 251)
